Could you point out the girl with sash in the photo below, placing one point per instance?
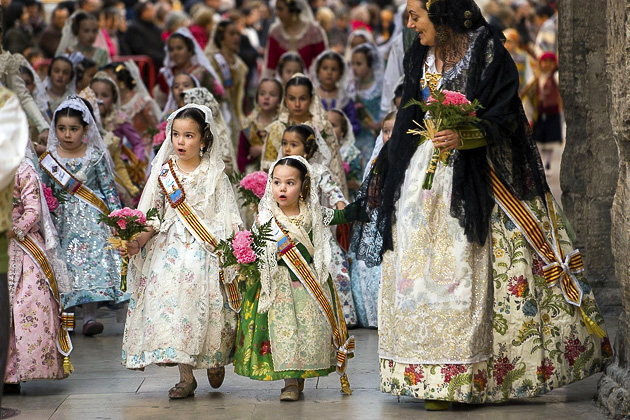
(78, 163)
(38, 342)
(182, 308)
(291, 325)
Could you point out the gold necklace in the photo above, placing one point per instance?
(297, 220)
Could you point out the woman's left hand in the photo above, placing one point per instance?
(446, 140)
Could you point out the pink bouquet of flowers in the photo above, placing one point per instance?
(159, 136)
(51, 201)
(128, 224)
(243, 249)
(447, 110)
(251, 187)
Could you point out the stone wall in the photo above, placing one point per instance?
(588, 176)
(614, 387)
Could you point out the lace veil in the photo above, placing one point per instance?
(378, 69)
(319, 217)
(171, 103)
(141, 88)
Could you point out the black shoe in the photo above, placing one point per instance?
(9, 389)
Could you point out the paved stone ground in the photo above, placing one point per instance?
(101, 388)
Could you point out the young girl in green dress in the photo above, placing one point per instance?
(291, 324)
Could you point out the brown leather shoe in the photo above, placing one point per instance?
(182, 390)
(216, 376)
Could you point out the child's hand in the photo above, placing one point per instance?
(340, 205)
(133, 247)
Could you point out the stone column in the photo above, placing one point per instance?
(614, 387)
(588, 176)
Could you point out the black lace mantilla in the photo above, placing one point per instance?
(487, 73)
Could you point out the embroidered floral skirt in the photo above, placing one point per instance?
(539, 341)
(254, 358)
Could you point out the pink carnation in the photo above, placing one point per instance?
(455, 98)
(159, 138)
(255, 182)
(51, 200)
(242, 246)
(121, 223)
(346, 167)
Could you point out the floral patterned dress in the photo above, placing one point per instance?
(178, 311)
(94, 270)
(33, 350)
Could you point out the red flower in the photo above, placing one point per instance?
(572, 349)
(501, 367)
(544, 371)
(413, 374)
(265, 348)
(518, 286)
(480, 379)
(537, 266)
(450, 371)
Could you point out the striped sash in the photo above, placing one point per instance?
(68, 182)
(176, 196)
(560, 269)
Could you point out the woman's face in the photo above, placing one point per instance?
(70, 132)
(105, 96)
(298, 100)
(292, 145)
(181, 83)
(286, 186)
(60, 75)
(337, 123)
(232, 39)
(289, 69)
(268, 97)
(419, 22)
(88, 30)
(360, 66)
(179, 53)
(282, 12)
(329, 73)
(186, 138)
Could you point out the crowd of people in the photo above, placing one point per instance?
(158, 105)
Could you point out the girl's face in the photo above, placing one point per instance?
(289, 69)
(28, 82)
(336, 120)
(181, 83)
(419, 22)
(293, 145)
(232, 39)
(329, 73)
(60, 75)
(87, 78)
(286, 186)
(388, 128)
(179, 53)
(70, 132)
(360, 66)
(88, 30)
(268, 96)
(186, 139)
(105, 96)
(298, 102)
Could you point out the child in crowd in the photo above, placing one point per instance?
(289, 64)
(268, 98)
(77, 161)
(84, 70)
(179, 312)
(181, 82)
(283, 332)
(58, 83)
(79, 34)
(330, 76)
(349, 152)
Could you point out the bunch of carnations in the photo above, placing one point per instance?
(128, 224)
(446, 110)
(243, 249)
(51, 201)
(251, 187)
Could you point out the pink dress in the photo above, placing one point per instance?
(35, 322)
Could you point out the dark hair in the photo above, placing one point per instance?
(204, 128)
(64, 59)
(122, 74)
(307, 135)
(300, 81)
(70, 113)
(398, 92)
(331, 55)
(111, 85)
(459, 15)
(289, 57)
(219, 34)
(80, 17)
(293, 7)
(139, 8)
(26, 71)
(88, 105)
(83, 66)
(367, 51)
(13, 14)
(344, 121)
(190, 45)
(268, 79)
(544, 10)
(304, 175)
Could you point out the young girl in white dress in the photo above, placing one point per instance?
(179, 312)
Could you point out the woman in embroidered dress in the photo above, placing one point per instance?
(35, 308)
(223, 55)
(94, 271)
(329, 75)
(295, 29)
(302, 105)
(367, 85)
(184, 55)
(179, 312)
(465, 311)
(283, 333)
(135, 100)
(79, 34)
